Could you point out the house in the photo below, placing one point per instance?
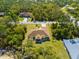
(39, 35)
(27, 16)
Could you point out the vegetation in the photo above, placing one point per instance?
(11, 34)
(46, 50)
(65, 31)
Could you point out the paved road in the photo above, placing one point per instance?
(37, 22)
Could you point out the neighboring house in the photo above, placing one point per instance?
(39, 35)
(72, 46)
(26, 15)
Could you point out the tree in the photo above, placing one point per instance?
(64, 31)
(47, 12)
(10, 34)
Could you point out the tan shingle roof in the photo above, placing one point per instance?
(36, 32)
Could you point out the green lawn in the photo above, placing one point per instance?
(46, 50)
(49, 30)
(56, 47)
